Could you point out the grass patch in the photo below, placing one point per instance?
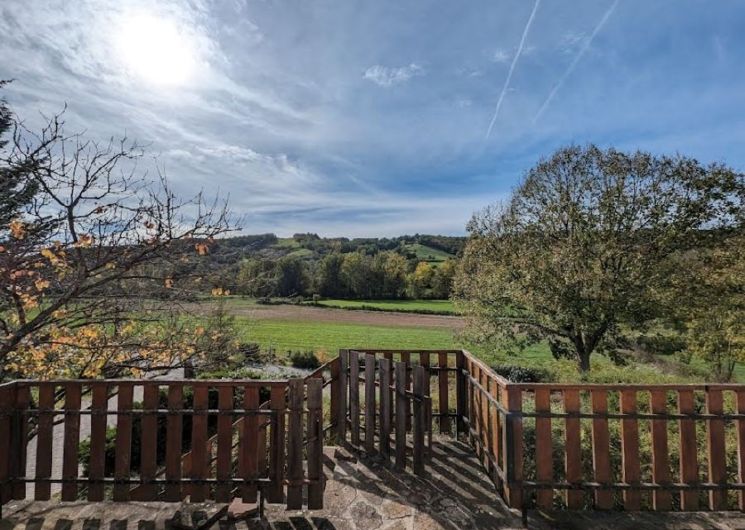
(425, 253)
(435, 307)
(327, 338)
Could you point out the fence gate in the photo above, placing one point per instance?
(390, 407)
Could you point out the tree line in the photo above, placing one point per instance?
(358, 275)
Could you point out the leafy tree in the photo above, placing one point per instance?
(421, 279)
(86, 244)
(292, 279)
(329, 281)
(356, 273)
(257, 277)
(442, 280)
(583, 246)
(394, 274)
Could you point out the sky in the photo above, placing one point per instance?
(378, 118)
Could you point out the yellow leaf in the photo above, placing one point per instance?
(17, 229)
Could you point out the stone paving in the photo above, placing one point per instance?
(362, 493)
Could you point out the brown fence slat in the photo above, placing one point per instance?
(496, 427)
(631, 470)
(275, 492)
(295, 444)
(572, 449)
(42, 491)
(406, 359)
(123, 450)
(741, 446)
(249, 443)
(444, 401)
(688, 451)
(661, 499)
(402, 404)
(370, 403)
(601, 449)
(174, 436)
(461, 398)
(7, 404)
(384, 442)
(199, 442)
(71, 441)
(315, 444)
(354, 396)
(483, 417)
(389, 357)
(149, 442)
(716, 450)
(513, 445)
(543, 448)
(224, 443)
(19, 448)
(343, 394)
(418, 420)
(97, 464)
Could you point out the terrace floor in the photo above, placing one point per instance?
(361, 493)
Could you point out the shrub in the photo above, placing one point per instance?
(521, 374)
(304, 359)
(661, 344)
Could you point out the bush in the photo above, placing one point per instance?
(304, 359)
(521, 374)
(661, 344)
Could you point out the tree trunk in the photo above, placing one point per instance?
(584, 361)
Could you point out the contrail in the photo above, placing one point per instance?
(512, 68)
(576, 60)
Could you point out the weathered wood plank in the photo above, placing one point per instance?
(19, 448)
(97, 463)
(149, 443)
(631, 470)
(385, 409)
(295, 444)
(716, 449)
(315, 444)
(496, 427)
(174, 436)
(601, 449)
(343, 394)
(275, 492)
(443, 389)
(7, 403)
(406, 359)
(402, 404)
(688, 451)
(354, 396)
(249, 443)
(572, 449)
(42, 490)
(123, 450)
(661, 500)
(370, 403)
(419, 420)
(224, 443)
(543, 448)
(71, 441)
(199, 454)
(461, 398)
(740, 400)
(513, 446)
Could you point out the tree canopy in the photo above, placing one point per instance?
(581, 251)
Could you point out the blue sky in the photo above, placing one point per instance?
(380, 117)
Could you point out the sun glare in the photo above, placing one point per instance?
(154, 49)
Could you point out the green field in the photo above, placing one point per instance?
(425, 253)
(444, 307)
(327, 338)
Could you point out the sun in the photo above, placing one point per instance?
(155, 49)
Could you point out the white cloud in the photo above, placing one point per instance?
(386, 76)
(501, 56)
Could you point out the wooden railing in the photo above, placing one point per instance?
(264, 453)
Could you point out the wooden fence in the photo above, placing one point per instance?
(274, 448)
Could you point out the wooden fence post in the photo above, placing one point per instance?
(444, 401)
(343, 391)
(295, 444)
(71, 441)
(573, 449)
(601, 448)
(249, 441)
(543, 448)
(630, 451)
(224, 466)
(716, 449)
(199, 454)
(354, 396)
(385, 409)
(315, 444)
(149, 441)
(460, 394)
(370, 403)
(688, 451)
(402, 405)
(740, 397)
(275, 493)
(44, 441)
(419, 419)
(174, 438)
(7, 404)
(661, 500)
(513, 446)
(20, 443)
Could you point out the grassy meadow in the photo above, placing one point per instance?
(441, 307)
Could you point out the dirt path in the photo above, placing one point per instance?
(325, 314)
